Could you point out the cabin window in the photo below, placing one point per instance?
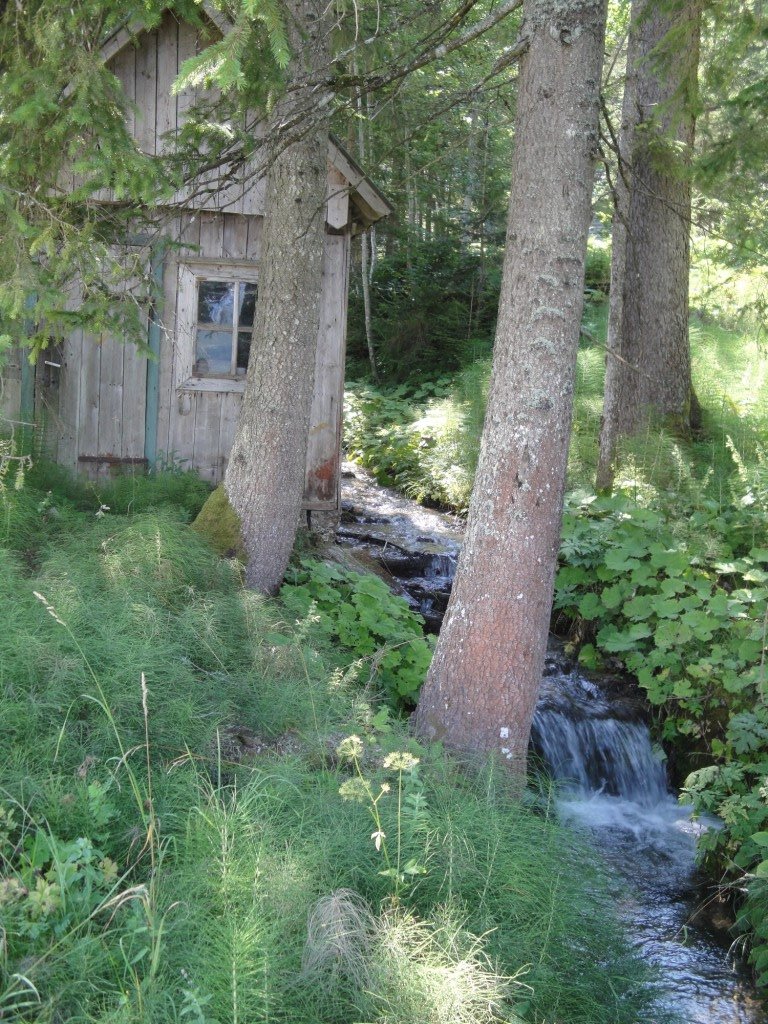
(223, 327)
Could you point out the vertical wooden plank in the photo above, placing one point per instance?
(337, 207)
(212, 235)
(323, 448)
(235, 245)
(185, 230)
(167, 63)
(123, 67)
(187, 47)
(10, 386)
(253, 252)
(110, 397)
(146, 92)
(186, 318)
(254, 193)
(88, 406)
(134, 403)
(181, 442)
(230, 412)
(206, 454)
(182, 406)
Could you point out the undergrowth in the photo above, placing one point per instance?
(183, 838)
(667, 580)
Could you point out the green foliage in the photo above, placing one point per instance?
(63, 114)
(152, 870)
(423, 439)
(362, 614)
(689, 627)
(434, 304)
(597, 271)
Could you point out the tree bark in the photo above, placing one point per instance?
(648, 360)
(481, 690)
(265, 474)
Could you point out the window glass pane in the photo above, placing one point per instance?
(215, 302)
(243, 351)
(213, 353)
(248, 293)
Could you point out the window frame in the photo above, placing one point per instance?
(190, 273)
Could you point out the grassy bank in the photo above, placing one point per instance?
(205, 816)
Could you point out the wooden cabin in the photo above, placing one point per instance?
(104, 408)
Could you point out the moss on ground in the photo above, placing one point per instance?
(220, 525)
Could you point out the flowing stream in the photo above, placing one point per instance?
(595, 744)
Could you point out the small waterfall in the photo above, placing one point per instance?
(592, 746)
(612, 785)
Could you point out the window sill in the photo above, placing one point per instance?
(219, 384)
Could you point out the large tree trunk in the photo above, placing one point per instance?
(265, 475)
(648, 362)
(481, 690)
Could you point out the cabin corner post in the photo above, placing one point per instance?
(154, 338)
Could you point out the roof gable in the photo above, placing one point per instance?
(147, 63)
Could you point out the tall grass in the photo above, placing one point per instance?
(169, 849)
(432, 453)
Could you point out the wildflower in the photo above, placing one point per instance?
(400, 761)
(385, 787)
(350, 749)
(354, 790)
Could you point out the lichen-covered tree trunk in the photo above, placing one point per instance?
(481, 690)
(265, 475)
(648, 361)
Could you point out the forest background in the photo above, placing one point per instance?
(666, 576)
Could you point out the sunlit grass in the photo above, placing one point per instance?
(154, 868)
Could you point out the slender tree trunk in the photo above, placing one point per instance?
(481, 690)
(265, 475)
(470, 182)
(648, 361)
(365, 279)
(366, 283)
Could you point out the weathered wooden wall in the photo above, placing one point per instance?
(147, 66)
(95, 405)
(96, 410)
(10, 389)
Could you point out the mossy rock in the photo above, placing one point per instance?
(218, 522)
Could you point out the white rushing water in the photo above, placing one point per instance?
(614, 786)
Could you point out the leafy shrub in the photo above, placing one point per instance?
(691, 627)
(423, 440)
(377, 433)
(362, 614)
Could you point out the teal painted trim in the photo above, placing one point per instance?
(154, 339)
